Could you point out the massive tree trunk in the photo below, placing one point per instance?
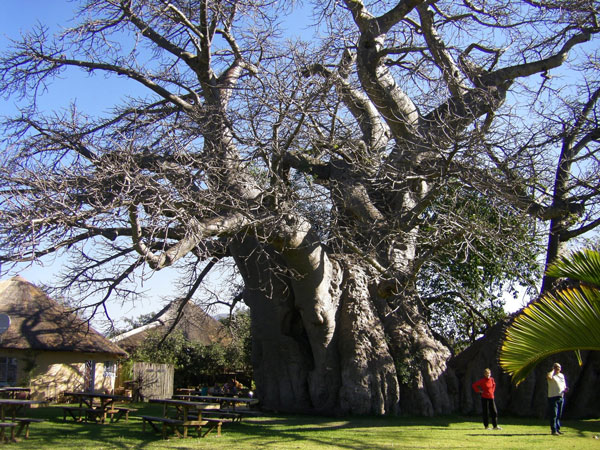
(324, 341)
(369, 380)
(421, 360)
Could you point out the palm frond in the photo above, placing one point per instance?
(582, 266)
(568, 320)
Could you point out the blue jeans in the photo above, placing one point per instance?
(555, 406)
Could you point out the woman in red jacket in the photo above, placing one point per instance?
(486, 387)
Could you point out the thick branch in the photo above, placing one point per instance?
(449, 68)
(119, 70)
(367, 22)
(503, 75)
(375, 132)
(157, 38)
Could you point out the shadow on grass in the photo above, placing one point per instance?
(285, 431)
(57, 433)
(501, 434)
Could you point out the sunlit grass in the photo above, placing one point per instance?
(309, 432)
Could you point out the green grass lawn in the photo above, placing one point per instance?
(304, 432)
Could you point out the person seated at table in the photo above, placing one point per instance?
(204, 390)
(237, 386)
(228, 388)
(215, 390)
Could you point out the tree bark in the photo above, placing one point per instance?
(344, 364)
(420, 359)
(369, 377)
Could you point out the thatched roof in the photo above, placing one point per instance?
(195, 325)
(39, 323)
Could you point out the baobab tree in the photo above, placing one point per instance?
(335, 173)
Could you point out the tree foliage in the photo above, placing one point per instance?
(239, 350)
(155, 349)
(197, 363)
(464, 286)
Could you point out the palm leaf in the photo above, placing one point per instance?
(582, 266)
(568, 320)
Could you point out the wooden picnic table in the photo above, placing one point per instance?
(12, 391)
(89, 408)
(186, 414)
(187, 391)
(223, 401)
(9, 407)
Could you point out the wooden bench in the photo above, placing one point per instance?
(23, 423)
(192, 422)
(3, 426)
(118, 412)
(243, 412)
(166, 423)
(214, 421)
(76, 412)
(215, 413)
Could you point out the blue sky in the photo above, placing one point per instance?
(99, 92)
(21, 15)
(92, 95)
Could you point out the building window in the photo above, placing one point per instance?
(110, 369)
(8, 371)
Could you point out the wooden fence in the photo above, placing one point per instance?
(148, 380)
(154, 380)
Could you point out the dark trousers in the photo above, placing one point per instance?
(488, 408)
(555, 408)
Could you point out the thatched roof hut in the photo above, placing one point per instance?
(49, 349)
(195, 325)
(39, 323)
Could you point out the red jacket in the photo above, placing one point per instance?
(485, 386)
